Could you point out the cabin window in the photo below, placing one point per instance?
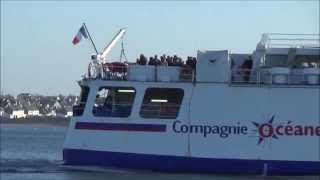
(307, 61)
(79, 108)
(161, 103)
(114, 102)
(276, 60)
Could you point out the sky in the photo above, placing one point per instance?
(37, 55)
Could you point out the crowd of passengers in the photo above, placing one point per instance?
(116, 70)
(167, 61)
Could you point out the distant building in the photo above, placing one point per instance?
(52, 113)
(3, 113)
(69, 112)
(57, 105)
(24, 98)
(31, 110)
(29, 105)
(17, 112)
(61, 112)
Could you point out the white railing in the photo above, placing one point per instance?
(264, 76)
(278, 40)
(119, 72)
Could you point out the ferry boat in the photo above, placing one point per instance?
(256, 113)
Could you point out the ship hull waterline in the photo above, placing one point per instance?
(81, 157)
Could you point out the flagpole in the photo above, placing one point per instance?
(94, 46)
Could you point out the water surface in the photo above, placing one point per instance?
(34, 152)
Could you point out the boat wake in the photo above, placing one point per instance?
(48, 166)
(30, 166)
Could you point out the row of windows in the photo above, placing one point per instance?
(163, 103)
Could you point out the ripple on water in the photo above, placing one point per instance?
(34, 152)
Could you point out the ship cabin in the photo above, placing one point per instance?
(279, 60)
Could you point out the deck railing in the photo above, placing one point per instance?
(278, 40)
(119, 72)
(263, 76)
(186, 74)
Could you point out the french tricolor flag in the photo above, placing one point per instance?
(82, 33)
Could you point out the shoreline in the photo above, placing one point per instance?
(61, 121)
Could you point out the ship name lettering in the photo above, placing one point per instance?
(268, 130)
(222, 130)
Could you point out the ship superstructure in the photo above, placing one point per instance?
(253, 113)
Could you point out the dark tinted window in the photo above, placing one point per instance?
(163, 103)
(114, 102)
(79, 108)
(307, 61)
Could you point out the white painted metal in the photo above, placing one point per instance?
(107, 49)
(279, 75)
(135, 142)
(213, 66)
(141, 73)
(312, 75)
(168, 73)
(211, 104)
(224, 105)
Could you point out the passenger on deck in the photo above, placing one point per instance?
(194, 63)
(246, 69)
(180, 62)
(142, 60)
(177, 61)
(138, 61)
(157, 60)
(190, 67)
(169, 61)
(152, 62)
(189, 61)
(163, 57)
(163, 61)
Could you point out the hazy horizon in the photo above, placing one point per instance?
(37, 55)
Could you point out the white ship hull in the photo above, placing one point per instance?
(220, 128)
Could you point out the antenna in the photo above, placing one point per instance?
(122, 54)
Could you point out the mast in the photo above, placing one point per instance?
(94, 46)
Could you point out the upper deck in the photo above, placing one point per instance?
(279, 59)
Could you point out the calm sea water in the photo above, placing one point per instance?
(34, 151)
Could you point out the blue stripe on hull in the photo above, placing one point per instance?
(186, 164)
